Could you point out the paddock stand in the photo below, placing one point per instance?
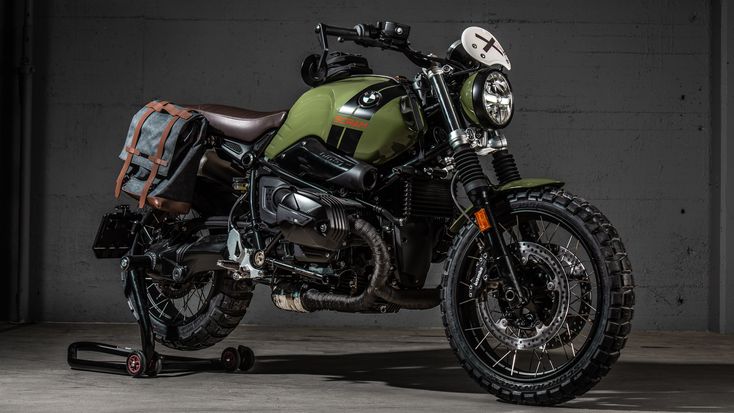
(147, 361)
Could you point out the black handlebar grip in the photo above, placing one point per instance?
(335, 31)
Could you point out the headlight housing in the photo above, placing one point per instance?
(486, 98)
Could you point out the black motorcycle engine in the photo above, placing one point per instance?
(305, 217)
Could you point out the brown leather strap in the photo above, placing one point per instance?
(128, 160)
(132, 150)
(174, 111)
(156, 105)
(156, 165)
(158, 161)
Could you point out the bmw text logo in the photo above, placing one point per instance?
(369, 99)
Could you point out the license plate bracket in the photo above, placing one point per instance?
(116, 233)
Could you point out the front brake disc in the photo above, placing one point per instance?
(543, 330)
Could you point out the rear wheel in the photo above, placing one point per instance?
(573, 269)
(197, 314)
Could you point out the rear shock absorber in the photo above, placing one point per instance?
(505, 167)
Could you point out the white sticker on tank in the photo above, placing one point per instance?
(483, 47)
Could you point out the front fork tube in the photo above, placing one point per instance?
(495, 239)
(476, 184)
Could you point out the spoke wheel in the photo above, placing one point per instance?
(196, 314)
(572, 268)
(543, 336)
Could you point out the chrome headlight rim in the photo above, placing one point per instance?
(478, 99)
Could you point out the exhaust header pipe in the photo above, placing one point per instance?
(307, 300)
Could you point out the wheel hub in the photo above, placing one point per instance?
(536, 322)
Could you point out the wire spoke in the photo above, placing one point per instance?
(482, 340)
(563, 344)
(467, 301)
(582, 317)
(568, 329)
(544, 228)
(501, 358)
(582, 300)
(554, 233)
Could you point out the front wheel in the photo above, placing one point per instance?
(575, 274)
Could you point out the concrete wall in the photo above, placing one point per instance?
(613, 97)
(722, 174)
(8, 107)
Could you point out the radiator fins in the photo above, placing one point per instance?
(419, 197)
(427, 198)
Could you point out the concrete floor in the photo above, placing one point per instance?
(336, 370)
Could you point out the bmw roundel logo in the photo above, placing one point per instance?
(369, 99)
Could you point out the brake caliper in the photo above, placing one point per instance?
(481, 278)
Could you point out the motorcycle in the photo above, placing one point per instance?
(344, 201)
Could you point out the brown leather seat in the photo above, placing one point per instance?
(241, 124)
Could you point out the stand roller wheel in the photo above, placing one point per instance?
(247, 358)
(135, 364)
(230, 359)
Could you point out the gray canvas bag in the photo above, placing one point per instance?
(161, 156)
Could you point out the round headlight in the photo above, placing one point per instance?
(488, 99)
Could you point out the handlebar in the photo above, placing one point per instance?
(385, 35)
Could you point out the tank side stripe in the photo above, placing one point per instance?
(350, 140)
(334, 134)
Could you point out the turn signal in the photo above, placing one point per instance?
(482, 220)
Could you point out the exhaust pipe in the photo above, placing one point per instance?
(314, 300)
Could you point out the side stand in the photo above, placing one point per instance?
(146, 361)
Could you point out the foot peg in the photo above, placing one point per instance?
(235, 271)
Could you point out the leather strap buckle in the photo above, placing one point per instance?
(133, 151)
(158, 161)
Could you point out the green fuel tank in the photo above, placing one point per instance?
(367, 117)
